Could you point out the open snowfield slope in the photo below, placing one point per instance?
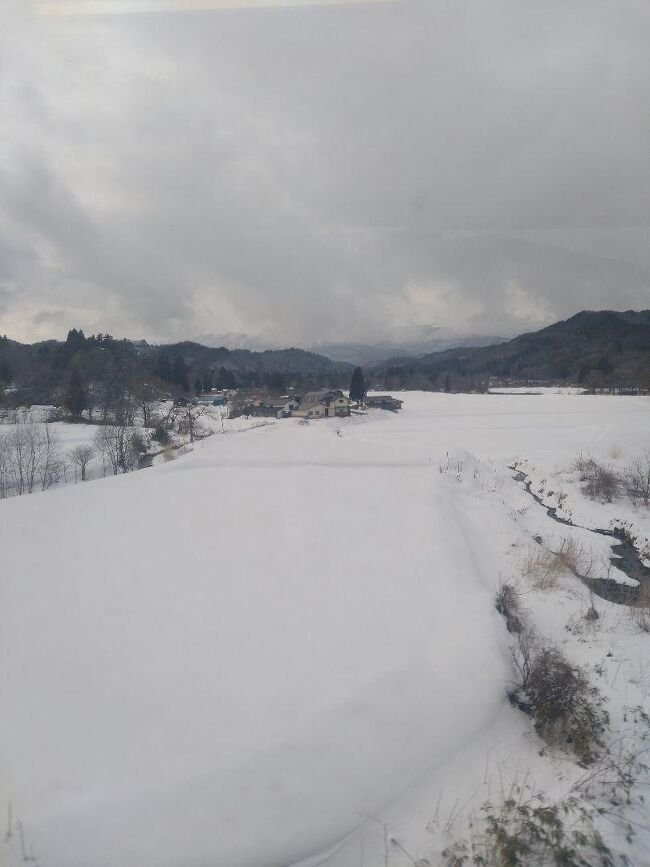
(234, 658)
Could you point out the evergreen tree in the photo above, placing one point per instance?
(358, 387)
(163, 367)
(76, 399)
(5, 372)
(275, 382)
(226, 379)
(198, 386)
(74, 341)
(179, 373)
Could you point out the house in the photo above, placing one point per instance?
(270, 407)
(211, 400)
(383, 401)
(323, 404)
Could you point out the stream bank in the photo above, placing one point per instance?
(624, 555)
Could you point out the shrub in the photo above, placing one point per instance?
(573, 557)
(137, 445)
(532, 834)
(566, 709)
(581, 465)
(541, 566)
(160, 435)
(599, 481)
(508, 605)
(637, 480)
(639, 609)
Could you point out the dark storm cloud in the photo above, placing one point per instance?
(315, 174)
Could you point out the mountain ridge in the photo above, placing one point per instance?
(593, 347)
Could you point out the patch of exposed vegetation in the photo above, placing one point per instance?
(566, 709)
(508, 604)
(532, 834)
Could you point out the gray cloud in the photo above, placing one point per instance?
(307, 175)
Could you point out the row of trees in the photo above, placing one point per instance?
(32, 458)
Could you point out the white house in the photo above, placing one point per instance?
(323, 404)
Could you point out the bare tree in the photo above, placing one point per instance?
(81, 456)
(120, 446)
(20, 453)
(29, 453)
(5, 466)
(52, 461)
(144, 395)
(188, 420)
(637, 480)
(35, 441)
(107, 442)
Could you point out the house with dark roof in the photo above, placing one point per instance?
(270, 407)
(383, 401)
(325, 403)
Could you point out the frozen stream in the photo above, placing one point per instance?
(624, 556)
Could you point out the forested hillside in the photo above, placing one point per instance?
(593, 348)
(100, 370)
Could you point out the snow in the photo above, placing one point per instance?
(238, 657)
(537, 389)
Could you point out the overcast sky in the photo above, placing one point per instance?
(307, 173)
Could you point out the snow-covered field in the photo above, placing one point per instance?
(537, 389)
(285, 643)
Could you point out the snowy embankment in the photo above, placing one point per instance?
(285, 642)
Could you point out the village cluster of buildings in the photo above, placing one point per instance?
(323, 403)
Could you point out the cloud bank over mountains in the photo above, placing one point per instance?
(307, 175)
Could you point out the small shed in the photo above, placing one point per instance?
(383, 401)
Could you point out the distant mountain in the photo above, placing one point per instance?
(292, 361)
(593, 347)
(377, 353)
(233, 340)
(408, 342)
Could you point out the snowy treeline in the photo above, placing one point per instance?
(31, 458)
